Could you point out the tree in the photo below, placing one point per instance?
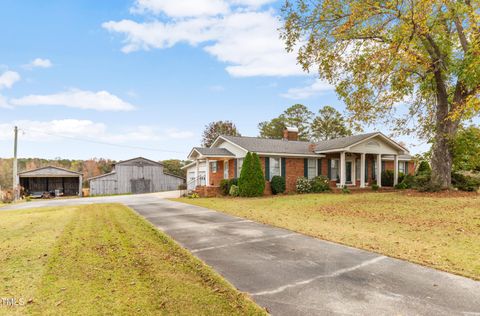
(215, 129)
(272, 129)
(329, 124)
(466, 149)
(174, 166)
(251, 182)
(381, 55)
(298, 115)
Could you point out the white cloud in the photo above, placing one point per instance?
(45, 131)
(40, 63)
(8, 79)
(86, 100)
(246, 39)
(183, 8)
(317, 87)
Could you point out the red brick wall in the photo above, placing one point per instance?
(215, 178)
(294, 169)
(231, 168)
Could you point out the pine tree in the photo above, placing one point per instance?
(251, 182)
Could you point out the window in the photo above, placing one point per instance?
(401, 167)
(334, 175)
(312, 168)
(357, 169)
(239, 166)
(213, 166)
(274, 167)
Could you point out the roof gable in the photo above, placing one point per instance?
(348, 142)
(49, 171)
(138, 161)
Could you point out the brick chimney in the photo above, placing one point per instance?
(290, 133)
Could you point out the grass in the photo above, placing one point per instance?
(435, 231)
(104, 259)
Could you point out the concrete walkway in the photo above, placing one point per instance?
(292, 274)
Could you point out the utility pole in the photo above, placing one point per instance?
(15, 184)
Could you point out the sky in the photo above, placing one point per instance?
(126, 78)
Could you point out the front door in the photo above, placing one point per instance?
(348, 171)
(225, 169)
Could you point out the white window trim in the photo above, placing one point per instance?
(271, 175)
(315, 163)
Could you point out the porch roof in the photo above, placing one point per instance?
(343, 143)
(210, 152)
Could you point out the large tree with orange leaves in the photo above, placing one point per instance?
(414, 62)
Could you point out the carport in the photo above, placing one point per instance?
(54, 180)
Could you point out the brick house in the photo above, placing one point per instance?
(353, 161)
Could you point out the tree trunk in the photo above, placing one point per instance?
(445, 130)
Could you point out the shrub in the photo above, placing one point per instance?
(422, 181)
(466, 182)
(224, 186)
(234, 190)
(401, 186)
(320, 184)
(303, 185)
(251, 182)
(233, 181)
(401, 176)
(387, 178)
(182, 186)
(375, 187)
(194, 196)
(277, 184)
(345, 190)
(409, 181)
(424, 167)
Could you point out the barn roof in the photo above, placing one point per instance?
(48, 172)
(138, 158)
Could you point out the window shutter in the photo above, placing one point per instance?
(406, 167)
(329, 168)
(305, 168)
(235, 168)
(267, 168)
(366, 170)
(284, 167)
(319, 167)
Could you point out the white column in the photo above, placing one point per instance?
(379, 170)
(80, 186)
(362, 170)
(395, 169)
(342, 169)
(207, 173)
(197, 171)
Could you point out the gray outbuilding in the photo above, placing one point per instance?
(137, 175)
(54, 181)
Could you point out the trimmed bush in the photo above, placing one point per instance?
(234, 191)
(375, 187)
(401, 186)
(387, 178)
(345, 190)
(233, 181)
(303, 185)
(251, 182)
(224, 186)
(424, 167)
(278, 184)
(466, 182)
(320, 184)
(409, 181)
(422, 181)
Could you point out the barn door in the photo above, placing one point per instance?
(140, 186)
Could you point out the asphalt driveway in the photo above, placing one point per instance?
(292, 274)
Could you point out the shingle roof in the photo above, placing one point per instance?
(264, 145)
(341, 142)
(214, 151)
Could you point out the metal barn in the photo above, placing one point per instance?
(137, 175)
(53, 180)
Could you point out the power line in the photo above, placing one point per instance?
(106, 143)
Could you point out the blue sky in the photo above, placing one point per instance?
(143, 73)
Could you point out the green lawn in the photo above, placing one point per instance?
(440, 232)
(105, 259)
